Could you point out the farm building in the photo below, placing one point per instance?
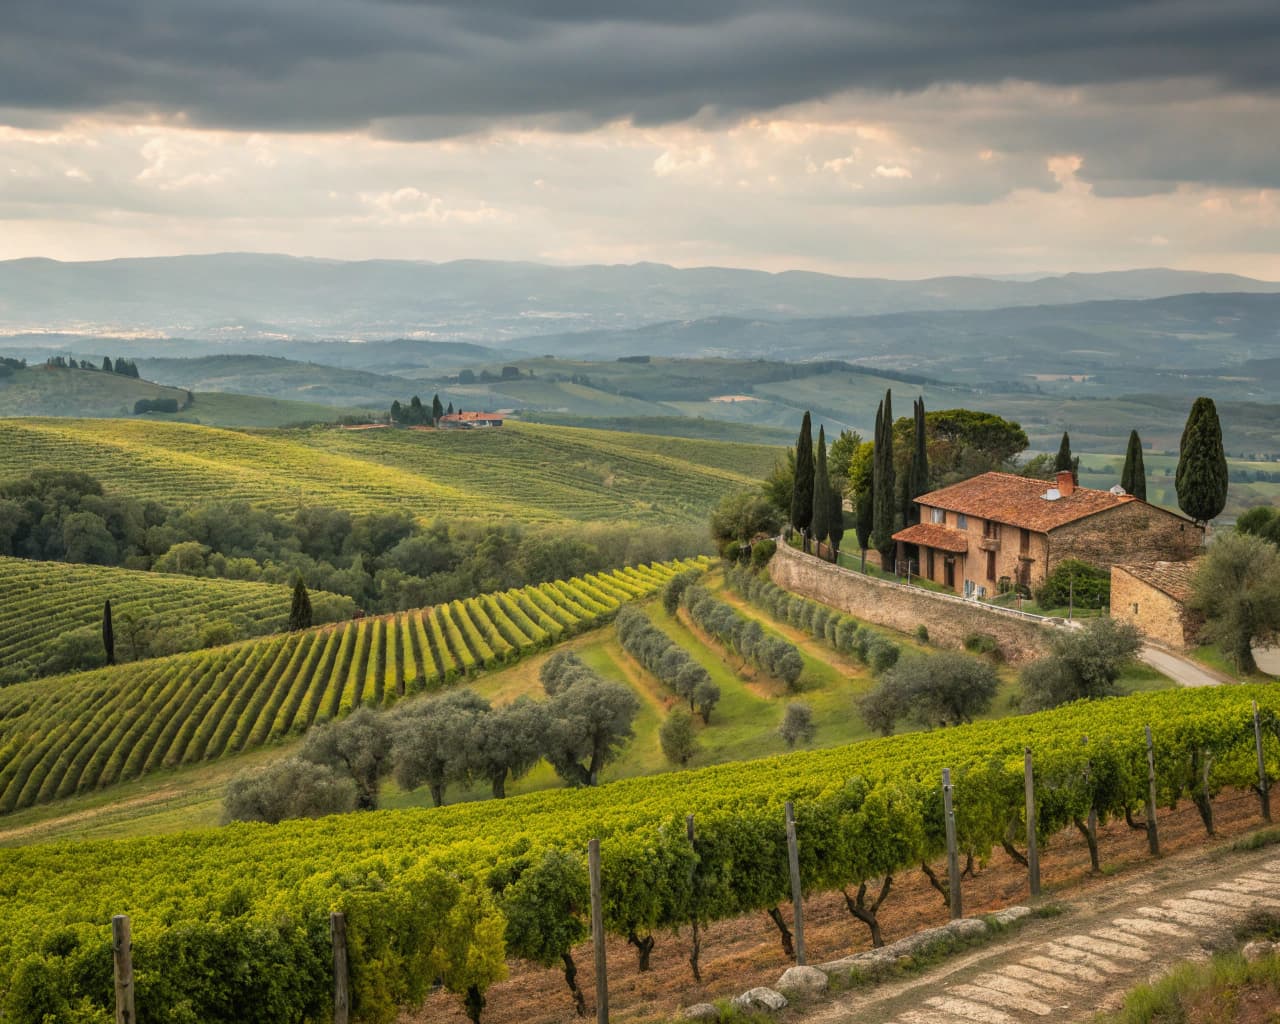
(470, 420)
(998, 530)
(1153, 597)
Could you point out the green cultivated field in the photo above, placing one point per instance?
(526, 472)
(40, 601)
(73, 734)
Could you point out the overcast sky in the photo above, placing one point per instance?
(903, 138)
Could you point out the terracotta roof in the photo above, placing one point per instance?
(465, 417)
(1172, 578)
(1020, 501)
(931, 535)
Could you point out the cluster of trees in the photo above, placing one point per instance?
(8, 367)
(1081, 664)
(667, 661)
(384, 561)
(841, 632)
(145, 405)
(415, 414)
(124, 367)
(942, 689)
(745, 637)
(817, 502)
(455, 739)
(486, 377)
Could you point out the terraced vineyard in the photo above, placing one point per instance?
(526, 472)
(76, 733)
(41, 601)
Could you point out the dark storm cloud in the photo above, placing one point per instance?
(425, 69)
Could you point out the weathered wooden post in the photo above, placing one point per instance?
(1153, 833)
(597, 933)
(953, 854)
(797, 895)
(696, 951)
(1264, 788)
(341, 972)
(122, 954)
(1033, 846)
(1091, 822)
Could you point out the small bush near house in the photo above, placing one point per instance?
(983, 643)
(762, 552)
(922, 633)
(1080, 583)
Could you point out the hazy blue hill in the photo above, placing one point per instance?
(237, 296)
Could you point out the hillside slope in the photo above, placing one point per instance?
(41, 602)
(526, 472)
(54, 391)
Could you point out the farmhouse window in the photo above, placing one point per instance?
(937, 515)
(991, 529)
(962, 522)
(991, 565)
(1024, 541)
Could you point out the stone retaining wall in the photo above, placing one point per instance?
(949, 619)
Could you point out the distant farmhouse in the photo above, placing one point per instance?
(470, 420)
(997, 531)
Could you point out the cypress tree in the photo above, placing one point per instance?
(1133, 478)
(1201, 479)
(397, 411)
(917, 481)
(883, 490)
(300, 612)
(106, 364)
(1063, 460)
(802, 493)
(417, 413)
(108, 633)
(437, 410)
(820, 519)
(835, 526)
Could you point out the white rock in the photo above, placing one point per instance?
(761, 999)
(1258, 950)
(805, 980)
(968, 927)
(700, 1011)
(1011, 914)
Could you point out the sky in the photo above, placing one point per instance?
(896, 138)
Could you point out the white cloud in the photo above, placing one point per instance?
(891, 171)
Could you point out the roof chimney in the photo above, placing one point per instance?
(1066, 483)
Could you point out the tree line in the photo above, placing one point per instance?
(383, 561)
(122, 367)
(416, 414)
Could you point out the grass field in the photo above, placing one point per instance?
(524, 472)
(41, 601)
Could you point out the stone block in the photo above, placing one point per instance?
(761, 998)
(803, 980)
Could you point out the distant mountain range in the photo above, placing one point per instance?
(236, 297)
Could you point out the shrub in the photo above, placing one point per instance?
(762, 552)
(922, 633)
(292, 788)
(882, 654)
(1083, 584)
(932, 690)
(678, 739)
(846, 629)
(1081, 663)
(982, 643)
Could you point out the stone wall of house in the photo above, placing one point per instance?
(1155, 614)
(949, 619)
(1133, 533)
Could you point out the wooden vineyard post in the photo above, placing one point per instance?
(122, 953)
(1153, 833)
(953, 854)
(696, 951)
(1264, 788)
(1091, 823)
(797, 895)
(341, 974)
(1033, 847)
(597, 933)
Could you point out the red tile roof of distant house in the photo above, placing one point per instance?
(1021, 501)
(932, 535)
(469, 417)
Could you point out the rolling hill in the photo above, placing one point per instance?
(54, 391)
(527, 472)
(40, 602)
(243, 295)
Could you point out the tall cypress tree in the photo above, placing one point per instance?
(820, 520)
(1201, 479)
(802, 493)
(108, 633)
(883, 490)
(917, 481)
(1063, 460)
(437, 410)
(300, 611)
(836, 525)
(1133, 478)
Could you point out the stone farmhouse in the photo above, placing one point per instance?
(470, 420)
(997, 531)
(1153, 597)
